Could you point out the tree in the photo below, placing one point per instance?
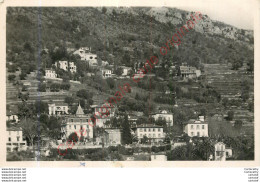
(225, 102)
(230, 116)
(144, 140)
(73, 137)
(245, 87)
(238, 124)
(54, 126)
(42, 87)
(126, 134)
(41, 107)
(104, 10)
(251, 106)
(30, 129)
(69, 100)
(134, 138)
(119, 71)
(204, 149)
(11, 77)
(110, 82)
(84, 94)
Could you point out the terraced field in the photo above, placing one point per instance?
(228, 83)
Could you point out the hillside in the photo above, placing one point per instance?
(110, 30)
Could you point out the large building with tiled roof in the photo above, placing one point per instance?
(79, 123)
(153, 132)
(197, 128)
(15, 139)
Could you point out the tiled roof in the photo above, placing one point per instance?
(14, 129)
(148, 126)
(79, 111)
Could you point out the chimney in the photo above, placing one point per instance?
(201, 118)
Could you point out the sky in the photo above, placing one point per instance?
(239, 13)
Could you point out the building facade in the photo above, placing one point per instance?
(58, 109)
(113, 136)
(65, 65)
(79, 123)
(168, 117)
(106, 73)
(15, 140)
(197, 128)
(222, 152)
(50, 74)
(189, 72)
(86, 55)
(153, 132)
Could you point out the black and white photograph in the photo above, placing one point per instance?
(128, 83)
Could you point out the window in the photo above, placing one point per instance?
(75, 127)
(87, 126)
(159, 129)
(81, 127)
(198, 126)
(153, 129)
(141, 135)
(145, 130)
(18, 139)
(198, 134)
(191, 126)
(71, 120)
(149, 135)
(154, 135)
(70, 126)
(149, 129)
(9, 139)
(141, 130)
(203, 127)
(159, 135)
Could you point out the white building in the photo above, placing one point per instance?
(51, 74)
(222, 152)
(113, 136)
(72, 67)
(153, 132)
(58, 109)
(158, 157)
(189, 72)
(79, 123)
(15, 140)
(196, 127)
(67, 66)
(82, 51)
(126, 70)
(86, 55)
(105, 109)
(106, 73)
(168, 117)
(11, 117)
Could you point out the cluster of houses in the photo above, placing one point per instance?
(113, 136)
(107, 71)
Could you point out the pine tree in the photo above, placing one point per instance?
(126, 135)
